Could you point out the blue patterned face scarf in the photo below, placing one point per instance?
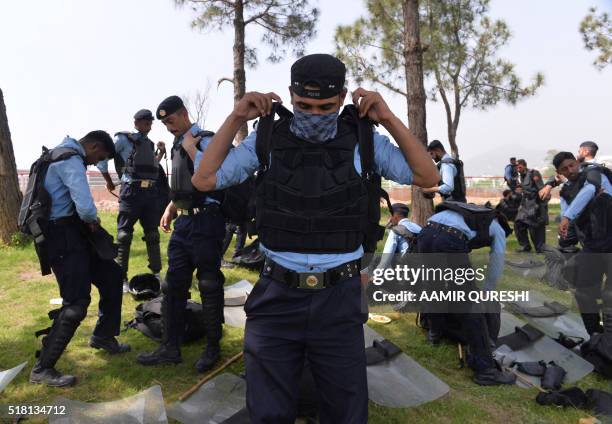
(314, 128)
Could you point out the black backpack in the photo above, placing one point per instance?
(148, 320)
(36, 204)
(373, 182)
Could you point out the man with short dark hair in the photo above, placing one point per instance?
(75, 263)
(587, 205)
(452, 184)
(195, 244)
(532, 216)
(317, 195)
(138, 166)
(587, 152)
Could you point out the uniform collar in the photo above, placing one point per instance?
(194, 130)
(73, 144)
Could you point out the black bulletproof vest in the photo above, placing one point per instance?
(182, 192)
(478, 218)
(570, 191)
(311, 199)
(141, 164)
(458, 193)
(529, 186)
(594, 221)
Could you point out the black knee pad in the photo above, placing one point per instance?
(210, 282)
(175, 289)
(123, 237)
(74, 313)
(151, 236)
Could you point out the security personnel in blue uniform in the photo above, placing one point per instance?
(402, 233)
(310, 204)
(452, 232)
(586, 158)
(532, 217)
(74, 262)
(511, 174)
(586, 203)
(195, 244)
(138, 165)
(452, 184)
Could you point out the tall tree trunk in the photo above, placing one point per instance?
(10, 195)
(422, 208)
(452, 135)
(239, 73)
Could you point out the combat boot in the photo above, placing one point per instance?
(50, 377)
(591, 323)
(164, 354)
(209, 358)
(109, 344)
(493, 377)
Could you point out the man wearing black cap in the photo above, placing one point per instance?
(72, 222)
(138, 165)
(452, 184)
(195, 244)
(402, 235)
(316, 193)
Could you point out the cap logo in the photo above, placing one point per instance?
(162, 113)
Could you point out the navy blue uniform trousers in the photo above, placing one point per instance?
(76, 266)
(195, 245)
(473, 323)
(284, 327)
(139, 204)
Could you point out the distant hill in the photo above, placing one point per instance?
(491, 162)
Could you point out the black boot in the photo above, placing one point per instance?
(151, 239)
(66, 321)
(50, 377)
(209, 358)
(109, 344)
(211, 292)
(493, 377)
(164, 354)
(124, 241)
(169, 351)
(435, 323)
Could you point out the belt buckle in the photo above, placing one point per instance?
(312, 280)
(145, 184)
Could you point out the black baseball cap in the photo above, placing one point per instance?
(143, 114)
(321, 70)
(168, 106)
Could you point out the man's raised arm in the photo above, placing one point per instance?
(251, 106)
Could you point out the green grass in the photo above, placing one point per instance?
(24, 302)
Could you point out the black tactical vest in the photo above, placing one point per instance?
(458, 193)
(529, 186)
(141, 163)
(478, 218)
(311, 199)
(182, 192)
(570, 191)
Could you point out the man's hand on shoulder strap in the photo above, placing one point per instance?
(372, 105)
(254, 105)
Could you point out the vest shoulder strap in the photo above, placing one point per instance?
(265, 129)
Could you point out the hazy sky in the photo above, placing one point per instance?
(71, 66)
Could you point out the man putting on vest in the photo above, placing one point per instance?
(452, 184)
(195, 244)
(532, 217)
(314, 209)
(138, 165)
(402, 235)
(586, 203)
(455, 230)
(72, 223)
